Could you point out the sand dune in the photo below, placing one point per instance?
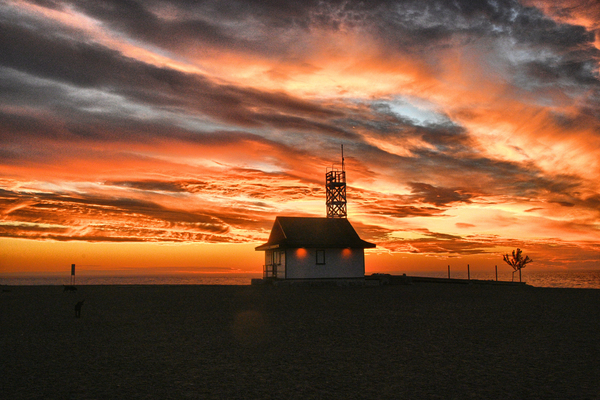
(417, 341)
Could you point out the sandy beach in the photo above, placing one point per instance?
(414, 341)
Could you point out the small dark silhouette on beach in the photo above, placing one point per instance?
(69, 288)
(78, 308)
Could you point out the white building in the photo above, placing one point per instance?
(310, 248)
(317, 248)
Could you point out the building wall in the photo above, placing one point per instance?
(338, 263)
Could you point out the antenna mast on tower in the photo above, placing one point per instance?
(335, 185)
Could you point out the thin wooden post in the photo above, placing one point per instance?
(468, 271)
(72, 274)
(496, 273)
(448, 271)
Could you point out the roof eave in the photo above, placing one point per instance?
(266, 246)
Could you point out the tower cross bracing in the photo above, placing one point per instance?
(335, 184)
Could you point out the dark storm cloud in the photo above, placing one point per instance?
(396, 206)
(486, 175)
(76, 125)
(567, 72)
(161, 186)
(531, 26)
(251, 26)
(199, 26)
(245, 25)
(396, 210)
(87, 65)
(142, 18)
(54, 113)
(438, 196)
(573, 61)
(446, 137)
(91, 66)
(429, 27)
(563, 203)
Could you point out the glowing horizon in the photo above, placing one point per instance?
(169, 135)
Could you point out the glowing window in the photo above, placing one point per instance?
(301, 253)
(321, 257)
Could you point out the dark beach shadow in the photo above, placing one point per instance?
(78, 309)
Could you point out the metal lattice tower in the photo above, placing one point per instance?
(335, 184)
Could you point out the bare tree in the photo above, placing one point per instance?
(517, 262)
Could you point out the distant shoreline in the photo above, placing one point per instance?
(570, 279)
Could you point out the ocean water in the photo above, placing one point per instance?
(556, 279)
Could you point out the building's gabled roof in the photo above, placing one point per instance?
(295, 232)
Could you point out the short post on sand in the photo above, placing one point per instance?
(72, 274)
(468, 272)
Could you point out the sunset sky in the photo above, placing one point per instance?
(166, 136)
